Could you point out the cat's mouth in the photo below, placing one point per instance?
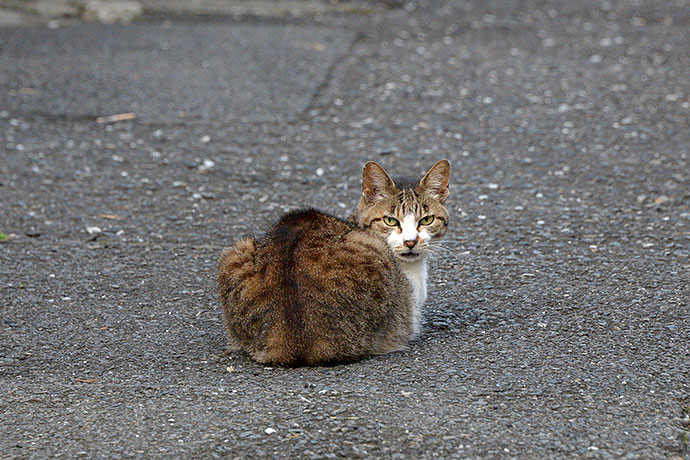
(409, 255)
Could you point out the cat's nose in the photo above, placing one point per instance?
(410, 243)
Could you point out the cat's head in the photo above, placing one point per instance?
(408, 215)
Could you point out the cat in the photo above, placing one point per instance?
(320, 290)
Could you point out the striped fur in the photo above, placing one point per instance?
(320, 290)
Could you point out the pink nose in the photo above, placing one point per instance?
(410, 243)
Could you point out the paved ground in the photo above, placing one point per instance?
(557, 321)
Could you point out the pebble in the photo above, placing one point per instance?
(112, 11)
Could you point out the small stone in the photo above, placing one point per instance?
(110, 12)
(269, 430)
(206, 166)
(661, 200)
(53, 10)
(93, 230)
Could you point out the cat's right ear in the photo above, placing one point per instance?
(376, 183)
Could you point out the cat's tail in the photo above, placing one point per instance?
(235, 264)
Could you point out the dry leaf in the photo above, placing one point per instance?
(116, 117)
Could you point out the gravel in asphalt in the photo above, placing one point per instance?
(557, 319)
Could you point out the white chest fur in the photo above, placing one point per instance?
(416, 274)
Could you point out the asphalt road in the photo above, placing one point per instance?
(557, 319)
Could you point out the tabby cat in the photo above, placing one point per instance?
(321, 290)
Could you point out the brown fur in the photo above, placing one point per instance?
(317, 289)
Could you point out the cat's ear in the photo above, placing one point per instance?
(376, 183)
(435, 182)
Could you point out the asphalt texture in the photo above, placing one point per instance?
(167, 73)
(557, 319)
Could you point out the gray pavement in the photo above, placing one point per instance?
(557, 320)
(220, 72)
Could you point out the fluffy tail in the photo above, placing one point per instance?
(235, 263)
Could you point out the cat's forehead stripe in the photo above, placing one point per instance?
(409, 201)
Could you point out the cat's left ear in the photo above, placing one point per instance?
(435, 182)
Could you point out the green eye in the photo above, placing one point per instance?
(426, 220)
(390, 221)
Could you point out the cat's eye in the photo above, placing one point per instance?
(390, 221)
(426, 220)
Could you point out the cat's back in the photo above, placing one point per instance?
(315, 289)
